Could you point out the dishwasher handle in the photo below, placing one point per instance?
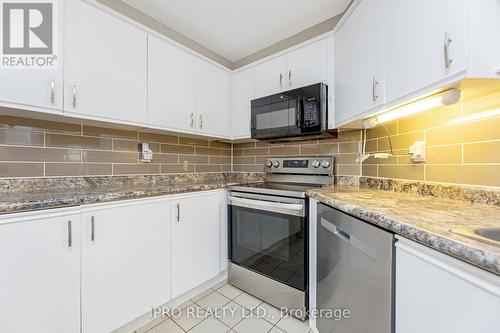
(351, 240)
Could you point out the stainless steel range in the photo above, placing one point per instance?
(268, 230)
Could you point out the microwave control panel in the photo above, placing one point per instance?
(311, 112)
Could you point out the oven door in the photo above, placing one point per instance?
(268, 235)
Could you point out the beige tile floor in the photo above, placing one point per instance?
(239, 320)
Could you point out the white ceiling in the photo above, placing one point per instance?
(237, 28)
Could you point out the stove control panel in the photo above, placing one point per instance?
(295, 163)
(309, 166)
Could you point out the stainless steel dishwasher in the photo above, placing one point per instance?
(355, 271)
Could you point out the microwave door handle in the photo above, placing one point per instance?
(300, 111)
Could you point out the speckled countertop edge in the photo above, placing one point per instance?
(481, 255)
(60, 193)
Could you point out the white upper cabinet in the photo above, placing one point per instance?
(105, 73)
(301, 67)
(484, 25)
(307, 65)
(212, 100)
(171, 86)
(40, 269)
(28, 87)
(125, 262)
(331, 81)
(359, 75)
(270, 77)
(195, 240)
(425, 42)
(243, 91)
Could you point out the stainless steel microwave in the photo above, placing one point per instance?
(292, 115)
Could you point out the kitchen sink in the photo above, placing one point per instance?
(489, 236)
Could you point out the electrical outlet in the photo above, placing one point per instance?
(146, 153)
(418, 151)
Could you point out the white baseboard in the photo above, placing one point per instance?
(146, 318)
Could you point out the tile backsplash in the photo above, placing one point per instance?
(250, 156)
(463, 147)
(463, 144)
(37, 148)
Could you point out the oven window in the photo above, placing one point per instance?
(269, 243)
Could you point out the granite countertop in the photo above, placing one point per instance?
(37, 194)
(424, 219)
(19, 201)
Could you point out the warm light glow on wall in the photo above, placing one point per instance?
(477, 116)
(445, 98)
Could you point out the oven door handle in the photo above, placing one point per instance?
(296, 209)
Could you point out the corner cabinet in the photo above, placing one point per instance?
(243, 91)
(40, 270)
(105, 71)
(185, 93)
(436, 293)
(125, 262)
(359, 62)
(195, 240)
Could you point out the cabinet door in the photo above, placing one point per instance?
(484, 25)
(243, 92)
(40, 271)
(415, 45)
(437, 293)
(307, 65)
(39, 87)
(171, 86)
(125, 263)
(270, 77)
(331, 82)
(105, 65)
(359, 83)
(212, 100)
(195, 241)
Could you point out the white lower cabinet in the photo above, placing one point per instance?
(436, 293)
(103, 266)
(40, 273)
(195, 240)
(125, 262)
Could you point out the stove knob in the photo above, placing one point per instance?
(325, 164)
(269, 163)
(276, 164)
(316, 163)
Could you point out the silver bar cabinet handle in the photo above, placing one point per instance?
(374, 89)
(447, 42)
(290, 78)
(201, 121)
(178, 215)
(281, 80)
(192, 119)
(52, 91)
(70, 237)
(92, 229)
(74, 97)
